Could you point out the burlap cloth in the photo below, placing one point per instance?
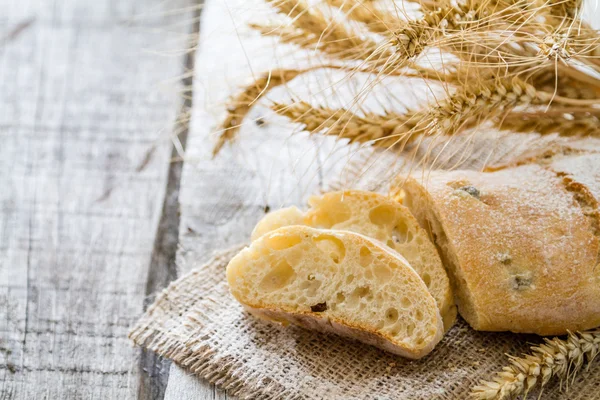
(197, 323)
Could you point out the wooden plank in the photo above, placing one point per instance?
(222, 199)
(84, 155)
(154, 370)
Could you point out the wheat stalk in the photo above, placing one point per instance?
(382, 130)
(555, 358)
(313, 21)
(361, 11)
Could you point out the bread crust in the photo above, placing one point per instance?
(523, 254)
(347, 329)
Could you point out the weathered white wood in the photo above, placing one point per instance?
(222, 199)
(84, 154)
(190, 387)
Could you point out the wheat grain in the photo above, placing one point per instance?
(376, 21)
(313, 21)
(565, 8)
(555, 358)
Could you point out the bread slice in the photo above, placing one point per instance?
(381, 218)
(519, 247)
(340, 282)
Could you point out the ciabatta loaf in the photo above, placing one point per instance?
(378, 217)
(521, 249)
(337, 281)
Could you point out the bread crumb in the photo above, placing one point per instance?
(389, 367)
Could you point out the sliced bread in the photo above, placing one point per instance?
(340, 282)
(378, 217)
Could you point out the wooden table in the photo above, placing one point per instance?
(98, 211)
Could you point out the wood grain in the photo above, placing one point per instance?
(222, 198)
(84, 160)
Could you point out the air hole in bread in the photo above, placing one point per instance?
(357, 294)
(349, 279)
(333, 247)
(366, 257)
(362, 291)
(279, 276)
(426, 279)
(401, 234)
(405, 302)
(310, 287)
(327, 217)
(391, 316)
(339, 298)
(383, 215)
(282, 242)
(410, 328)
(419, 315)
(382, 272)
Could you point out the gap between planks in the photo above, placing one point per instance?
(154, 370)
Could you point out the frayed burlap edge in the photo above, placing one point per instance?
(191, 353)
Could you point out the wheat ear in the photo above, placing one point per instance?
(572, 124)
(313, 21)
(479, 103)
(239, 105)
(376, 21)
(352, 48)
(555, 358)
(381, 130)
